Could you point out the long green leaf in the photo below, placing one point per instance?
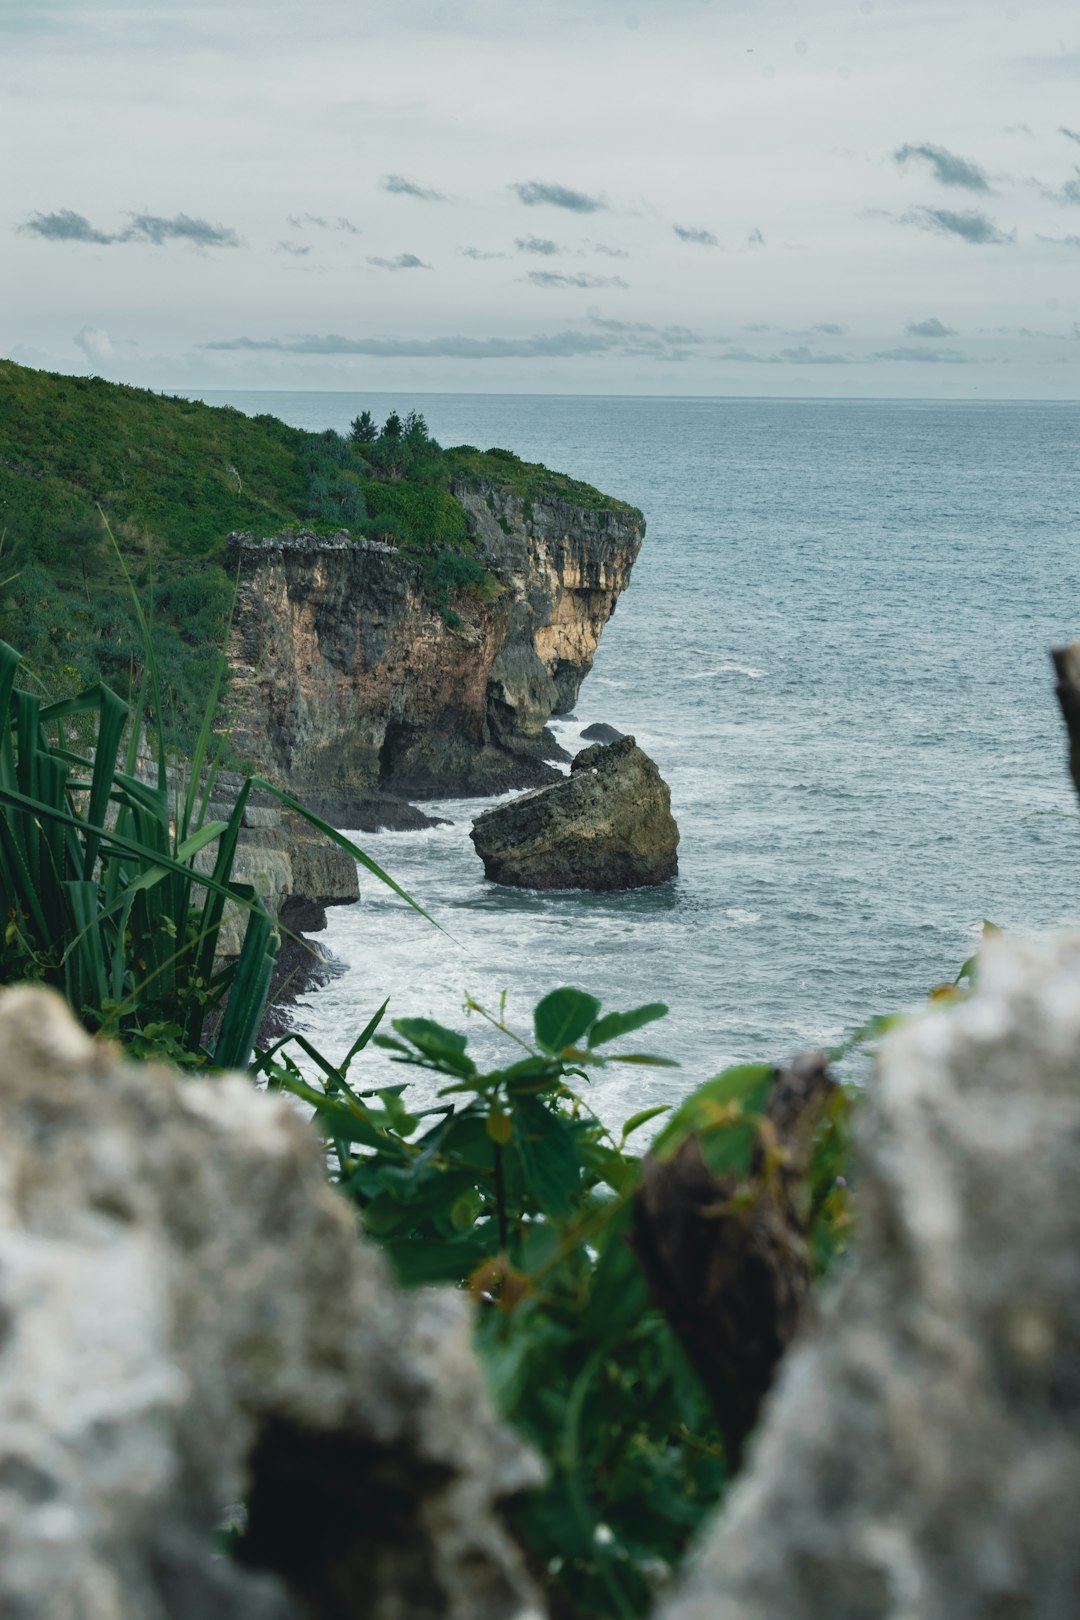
(344, 843)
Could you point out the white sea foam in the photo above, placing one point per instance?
(748, 670)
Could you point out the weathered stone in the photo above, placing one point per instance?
(608, 825)
(601, 732)
(257, 816)
(921, 1456)
(353, 692)
(188, 1319)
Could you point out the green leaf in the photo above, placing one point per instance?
(444, 1047)
(612, 1025)
(549, 1161)
(563, 1017)
(744, 1085)
(636, 1121)
(647, 1058)
(419, 1261)
(619, 1296)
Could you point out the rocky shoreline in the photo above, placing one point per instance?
(354, 693)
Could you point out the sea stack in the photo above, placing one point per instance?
(606, 826)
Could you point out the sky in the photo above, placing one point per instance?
(715, 197)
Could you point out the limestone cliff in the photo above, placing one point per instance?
(355, 695)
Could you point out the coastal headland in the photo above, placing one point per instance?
(353, 691)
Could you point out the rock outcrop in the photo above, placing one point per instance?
(601, 732)
(355, 694)
(188, 1319)
(921, 1457)
(606, 826)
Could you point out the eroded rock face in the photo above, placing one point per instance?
(187, 1318)
(606, 826)
(921, 1457)
(356, 696)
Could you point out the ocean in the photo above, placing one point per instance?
(835, 647)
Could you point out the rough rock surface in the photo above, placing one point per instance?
(187, 1318)
(601, 732)
(921, 1457)
(355, 695)
(606, 826)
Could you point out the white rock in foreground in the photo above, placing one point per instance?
(921, 1457)
(188, 1317)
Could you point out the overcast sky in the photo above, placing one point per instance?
(844, 197)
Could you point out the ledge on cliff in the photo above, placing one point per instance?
(354, 692)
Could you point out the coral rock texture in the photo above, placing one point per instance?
(188, 1319)
(921, 1457)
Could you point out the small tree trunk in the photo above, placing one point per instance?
(1067, 665)
(727, 1260)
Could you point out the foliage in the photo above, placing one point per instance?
(105, 896)
(334, 493)
(174, 478)
(510, 1186)
(528, 481)
(362, 429)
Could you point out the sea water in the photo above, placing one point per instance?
(835, 647)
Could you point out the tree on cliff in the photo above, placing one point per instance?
(392, 426)
(362, 429)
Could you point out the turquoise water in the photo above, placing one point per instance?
(835, 648)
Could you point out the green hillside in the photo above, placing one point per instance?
(172, 477)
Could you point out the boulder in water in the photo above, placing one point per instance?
(601, 732)
(607, 826)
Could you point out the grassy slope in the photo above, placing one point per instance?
(173, 477)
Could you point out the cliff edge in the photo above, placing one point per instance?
(352, 690)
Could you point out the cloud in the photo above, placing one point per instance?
(691, 233)
(294, 248)
(931, 328)
(556, 345)
(948, 168)
(830, 328)
(153, 228)
(1070, 134)
(67, 226)
(536, 244)
(64, 226)
(95, 343)
(1060, 241)
(609, 252)
(480, 253)
(969, 225)
(755, 239)
(943, 357)
(681, 335)
(403, 261)
(1069, 193)
(802, 356)
(535, 193)
(398, 186)
(551, 278)
(299, 222)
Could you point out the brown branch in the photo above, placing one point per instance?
(729, 1262)
(1067, 665)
